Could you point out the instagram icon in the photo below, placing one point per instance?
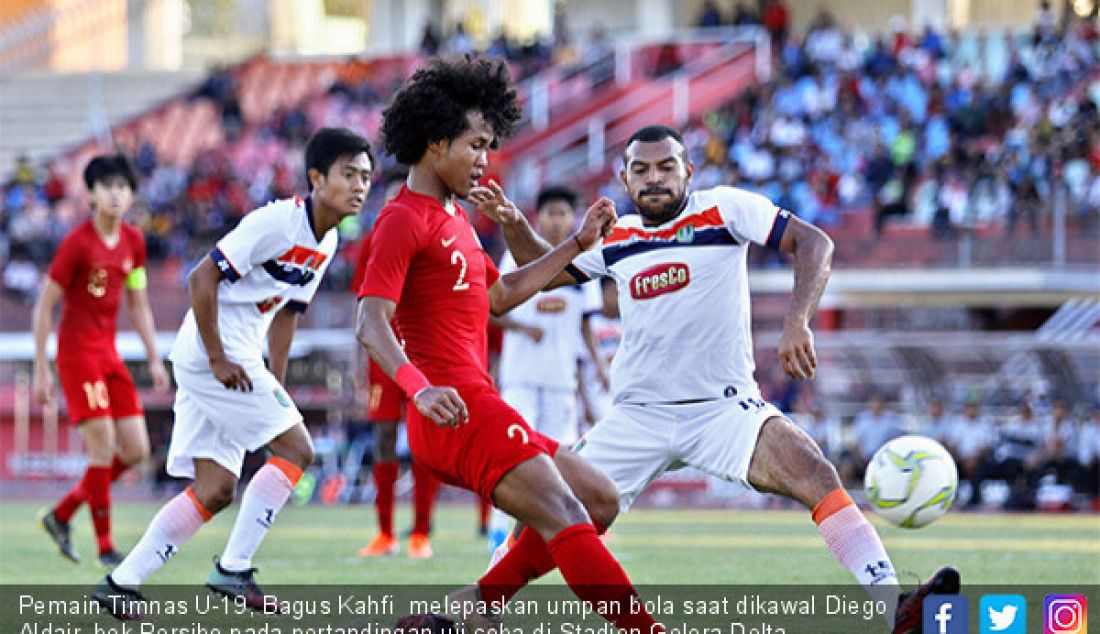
(1065, 614)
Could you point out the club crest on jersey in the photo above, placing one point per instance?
(658, 280)
(550, 305)
(686, 234)
(97, 282)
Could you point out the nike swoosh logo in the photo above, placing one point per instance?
(448, 242)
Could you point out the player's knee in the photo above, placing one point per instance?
(131, 456)
(604, 508)
(216, 497)
(304, 456)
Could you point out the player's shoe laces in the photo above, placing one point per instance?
(380, 546)
(120, 602)
(110, 559)
(910, 614)
(466, 607)
(239, 584)
(420, 547)
(59, 533)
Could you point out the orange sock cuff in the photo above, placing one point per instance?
(836, 500)
(289, 469)
(205, 514)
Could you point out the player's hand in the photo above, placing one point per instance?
(161, 381)
(42, 385)
(442, 405)
(598, 221)
(796, 351)
(231, 375)
(491, 202)
(534, 332)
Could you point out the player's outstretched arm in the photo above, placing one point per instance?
(813, 257)
(137, 299)
(279, 338)
(442, 405)
(202, 288)
(48, 299)
(518, 286)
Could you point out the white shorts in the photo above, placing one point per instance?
(551, 411)
(635, 444)
(220, 424)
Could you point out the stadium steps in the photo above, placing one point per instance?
(41, 115)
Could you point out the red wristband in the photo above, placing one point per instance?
(410, 379)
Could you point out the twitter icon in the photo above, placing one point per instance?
(1003, 614)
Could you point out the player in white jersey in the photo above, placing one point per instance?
(682, 379)
(252, 287)
(607, 331)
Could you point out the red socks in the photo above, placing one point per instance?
(97, 484)
(585, 563)
(424, 488)
(77, 495)
(385, 476)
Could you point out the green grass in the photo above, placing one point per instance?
(317, 544)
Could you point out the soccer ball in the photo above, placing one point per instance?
(911, 481)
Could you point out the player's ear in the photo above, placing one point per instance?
(622, 177)
(689, 170)
(316, 178)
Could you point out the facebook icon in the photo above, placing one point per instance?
(946, 614)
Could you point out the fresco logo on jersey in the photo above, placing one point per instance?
(660, 280)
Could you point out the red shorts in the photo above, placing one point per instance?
(386, 398)
(97, 387)
(476, 454)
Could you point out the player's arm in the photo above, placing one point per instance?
(525, 245)
(442, 405)
(48, 299)
(137, 299)
(504, 322)
(279, 337)
(812, 251)
(593, 348)
(202, 288)
(519, 285)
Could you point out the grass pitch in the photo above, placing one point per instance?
(317, 545)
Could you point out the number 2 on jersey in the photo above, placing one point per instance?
(461, 284)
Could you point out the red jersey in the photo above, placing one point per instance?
(92, 276)
(429, 261)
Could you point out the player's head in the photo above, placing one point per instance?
(449, 115)
(111, 182)
(656, 172)
(339, 165)
(557, 207)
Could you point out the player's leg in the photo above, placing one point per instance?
(98, 435)
(265, 496)
(536, 494)
(384, 469)
(526, 400)
(424, 489)
(788, 462)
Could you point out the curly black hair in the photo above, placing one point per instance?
(432, 105)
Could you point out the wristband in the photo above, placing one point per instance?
(410, 379)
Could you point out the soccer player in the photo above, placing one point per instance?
(253, 285)
(384, 412)
(428, 268)
(684, 392)
(95, 262)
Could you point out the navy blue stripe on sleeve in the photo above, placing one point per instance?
(775, 238)
(226, 267)
(297, 306)
(576, 273)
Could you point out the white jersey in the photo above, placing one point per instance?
(684, 297)
(607, 332)
(269, 261)
(552, 361)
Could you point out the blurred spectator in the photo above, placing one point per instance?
(936, 424)
(459, 43)
(429, 41)
(1018, 452)
(709, 16)
(871, 429)
(970, 439)
(1058, 449)
(743, 15)
(825, 430)
(776, 18)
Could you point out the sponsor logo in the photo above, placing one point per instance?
(946, 614)
(281, 397)
(660, 280)
(268, 304)
(447, 242)
(166, 553)
(267, 519)
(1004, 613)
(1065, 614)
(550, 305)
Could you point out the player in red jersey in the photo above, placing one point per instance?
(96, 262)
(427, 267)
(384, 412)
